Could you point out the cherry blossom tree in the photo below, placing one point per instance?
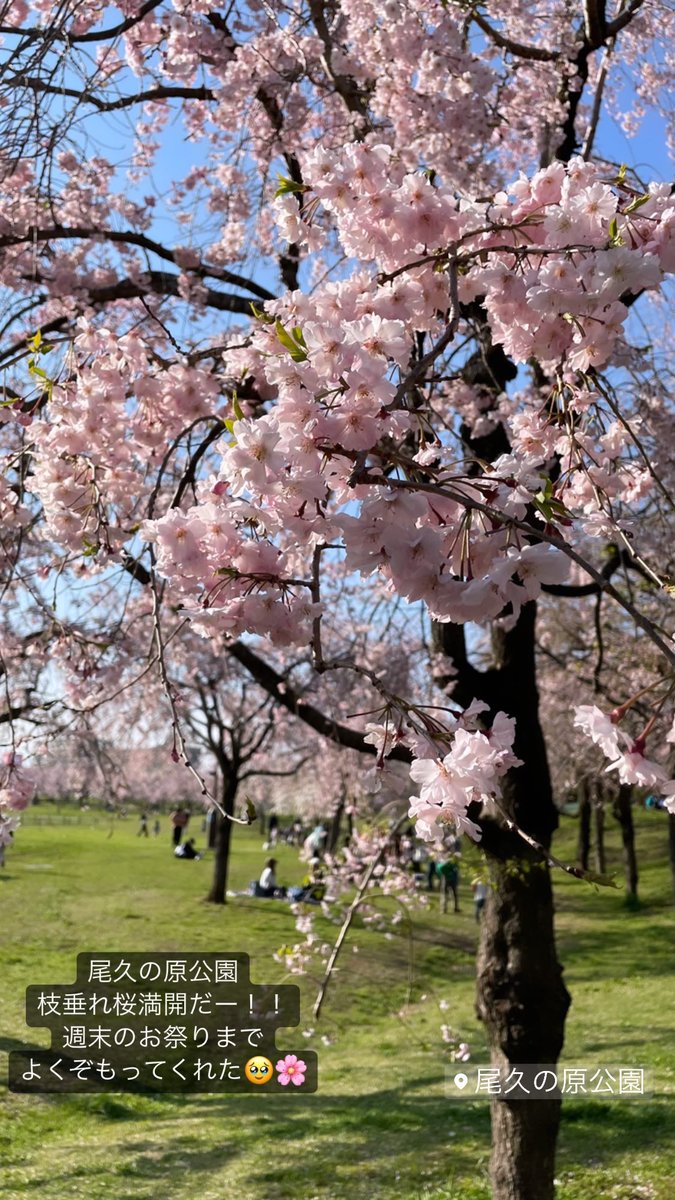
(241, 730)
(380, 333)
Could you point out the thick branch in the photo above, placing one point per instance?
(129, 237)
(276, 685)
(161, 283)
(624, 18)
(535, 53)
(344, 85)
(595, 25)
(449, 639)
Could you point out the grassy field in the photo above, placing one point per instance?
(380, 1124)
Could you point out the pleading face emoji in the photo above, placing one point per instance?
(258, 1070)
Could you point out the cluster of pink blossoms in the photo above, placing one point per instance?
(551, 260)
(626, 754)
(106, 431)
(469, 772)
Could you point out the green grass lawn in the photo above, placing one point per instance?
(380, 1124)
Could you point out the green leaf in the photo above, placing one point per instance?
(544, 507)
(296, 351)
(250, 811)
(236, 408)
(637, 202)
(260, 314)
(287, 187)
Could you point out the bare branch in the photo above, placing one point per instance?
(100, 35)
(155, 95)
(534, 53)
(129, 237)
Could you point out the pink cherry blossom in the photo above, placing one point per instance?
(291, 1069)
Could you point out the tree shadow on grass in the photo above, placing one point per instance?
(597, 1132)
(342, 1147)
(611, 954)
(293, 1147)
(630, 1039)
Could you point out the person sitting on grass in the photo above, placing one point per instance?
(313, 886)
(267, 884)
(312, 890)
(187, 850)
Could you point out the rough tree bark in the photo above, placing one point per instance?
(221, 861)
(521, 997)
(623, 811)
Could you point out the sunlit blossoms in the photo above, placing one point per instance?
(469, 773)
(380, 332)
(627, 755)
(550, 259)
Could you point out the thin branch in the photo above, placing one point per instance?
(551, 859)
(155, 95)
(179, 746)
(351, 912)
(279, 774)
(422, 365)
(594, 120)
(48, 31)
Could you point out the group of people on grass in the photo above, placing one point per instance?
(444, 869)
(143, 828)
(312, 890)
(406, 851)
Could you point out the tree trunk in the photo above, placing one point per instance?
(599, 809)
(334, 831)
(584, 843)
(523, 1003)
(221, 861)
(623, 811)
(521, 997)
(671, 847)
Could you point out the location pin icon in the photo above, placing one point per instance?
(461, 1080)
